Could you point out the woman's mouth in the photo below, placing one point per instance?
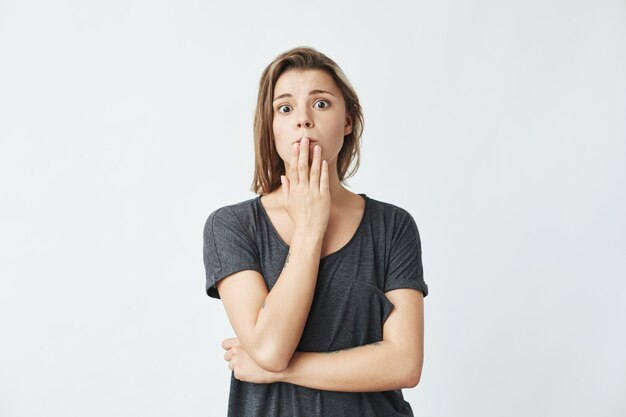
(311, 140)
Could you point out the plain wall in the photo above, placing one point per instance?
(500, 126)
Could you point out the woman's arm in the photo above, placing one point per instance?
(393, 363)
(374, 367)
(270, 324)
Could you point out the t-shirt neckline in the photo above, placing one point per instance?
(284, 244)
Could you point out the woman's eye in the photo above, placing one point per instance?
(323, 101)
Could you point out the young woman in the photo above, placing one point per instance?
(323, 287)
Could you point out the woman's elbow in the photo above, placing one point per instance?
(274, 364)
(412, 380)
(272, 360)
(412, 375)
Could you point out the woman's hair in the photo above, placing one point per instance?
(268, 165)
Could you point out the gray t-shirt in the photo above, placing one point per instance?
(349, 305)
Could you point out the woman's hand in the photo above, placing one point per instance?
(306, 196)
(244, 367)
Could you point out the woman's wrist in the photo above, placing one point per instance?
(310, 234)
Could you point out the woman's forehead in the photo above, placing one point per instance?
(303, 80)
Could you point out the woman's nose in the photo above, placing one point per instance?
(304, 121)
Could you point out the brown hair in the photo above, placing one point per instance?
(268, 165)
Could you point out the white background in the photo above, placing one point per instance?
(500, 126)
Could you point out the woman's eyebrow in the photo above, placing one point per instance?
(310, 93)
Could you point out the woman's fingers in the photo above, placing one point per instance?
(324, 187)
(307, 182)
(315, 168)
(303, 162)
(293, 165)
(229, 343)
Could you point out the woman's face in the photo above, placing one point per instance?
(309, 103)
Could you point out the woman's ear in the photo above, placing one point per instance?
(348, 126)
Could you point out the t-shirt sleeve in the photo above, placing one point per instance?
(227, 248)
(404, 269)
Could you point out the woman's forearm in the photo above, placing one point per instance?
(282, 318)
(379, 366)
